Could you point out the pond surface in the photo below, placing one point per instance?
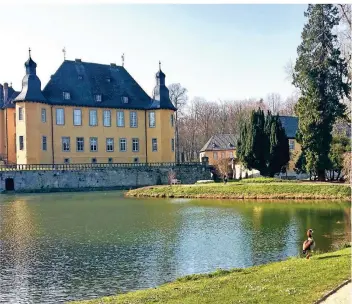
(60, 247)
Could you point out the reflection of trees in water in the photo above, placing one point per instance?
(326, 223)
(347, 223)
(84, 247)
(267, 228)
(276, 230)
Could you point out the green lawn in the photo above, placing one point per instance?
(249, 190)
(296, 280)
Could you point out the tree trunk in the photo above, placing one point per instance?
(321, 175)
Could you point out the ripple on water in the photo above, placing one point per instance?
(58, 247)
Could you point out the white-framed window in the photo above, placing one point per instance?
(152, 119)
(109, 145)
(80, 144)
(222, 154)
(93, 117)
(120, 118)
(133, 119)
(20, 113)
(66, 95)
(107, 118)
(291, 144)
(43, 115)
(215, 155)
(172, 144)
(231, 154)
(65, 144)
(93, 144)
(77, 117)
(123, 144)
(172, 121)
(154, 144)
(98, 97)
(60, 116)
(135, 144)
(124, 99)
(21, 142)
(44, 144)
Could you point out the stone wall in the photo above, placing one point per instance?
(94, 178)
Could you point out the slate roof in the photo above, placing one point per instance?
(12, 94)
(290, 124)
(84, 80)
(220, 142)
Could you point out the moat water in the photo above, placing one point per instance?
(60, 247)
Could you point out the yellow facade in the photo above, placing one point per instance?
(295, 151)
(214, 156)
(8, 135)
(33, 127)
(3, 153)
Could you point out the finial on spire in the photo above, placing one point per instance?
(159, 65)
(64, 51)
(123, 59)
(29, 51)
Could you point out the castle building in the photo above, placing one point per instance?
(87, 113)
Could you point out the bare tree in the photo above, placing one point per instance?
(223, 167)
(178, 96)
(274, 102)
(288, 106)
(289, 68)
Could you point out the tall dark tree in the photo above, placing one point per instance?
(321, 75)
(263, 144)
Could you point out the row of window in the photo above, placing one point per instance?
(222, 155)
(93, 144)
(94, 160)
(291, 144)
(93, 118)
(97, 97)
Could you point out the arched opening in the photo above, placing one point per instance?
(9, 184)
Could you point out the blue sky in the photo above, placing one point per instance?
(215, 51)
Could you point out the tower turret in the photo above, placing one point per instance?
(31, 85)
(161, 92)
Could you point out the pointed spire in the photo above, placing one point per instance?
(31, 85)
(30, 64)
(159, 65)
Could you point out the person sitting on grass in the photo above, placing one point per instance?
(309, 244)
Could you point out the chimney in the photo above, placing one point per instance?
(113, 64)
(78, 60)
(6, 91)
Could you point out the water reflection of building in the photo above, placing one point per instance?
(16, 233)
(257, 216)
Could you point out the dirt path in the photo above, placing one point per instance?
(342, 296)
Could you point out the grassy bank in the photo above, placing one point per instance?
(249, 190)
(296, 280)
